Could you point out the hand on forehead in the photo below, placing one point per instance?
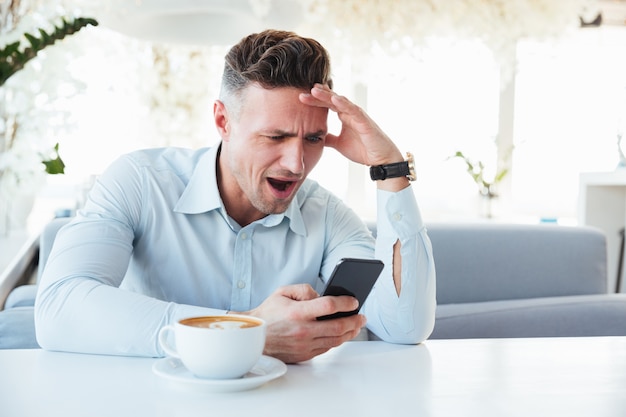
(319, 96)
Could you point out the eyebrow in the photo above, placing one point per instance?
(279, 132)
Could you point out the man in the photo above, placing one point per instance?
(172, 233)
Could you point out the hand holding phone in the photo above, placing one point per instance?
(354, 277)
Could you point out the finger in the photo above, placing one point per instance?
(331, 99)
(340, 330)
(343, 105)
(312, 308)
(339, 102)
(322, 96)
(298, 292)
(334, 304)
(310, 100)
(343, 326)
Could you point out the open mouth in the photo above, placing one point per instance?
(282, 188)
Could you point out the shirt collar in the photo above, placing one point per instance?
(201, 195)
(292, 214)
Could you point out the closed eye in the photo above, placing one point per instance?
(277, 134)
(314, 139)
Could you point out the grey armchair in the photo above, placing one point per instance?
(17, 322)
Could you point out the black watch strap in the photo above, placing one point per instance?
(395, 170)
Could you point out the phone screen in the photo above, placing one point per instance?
(354, 277)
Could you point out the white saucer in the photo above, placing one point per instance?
(265, 370)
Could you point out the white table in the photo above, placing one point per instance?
(497, 377)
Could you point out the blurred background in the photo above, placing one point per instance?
(532, 92)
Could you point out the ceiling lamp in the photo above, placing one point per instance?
(201, 22)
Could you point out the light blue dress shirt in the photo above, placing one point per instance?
(154, 244)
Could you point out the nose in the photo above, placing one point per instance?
(292, 158)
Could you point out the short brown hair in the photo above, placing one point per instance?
(275, 58)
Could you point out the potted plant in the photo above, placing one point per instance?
(486, 184)
(17, 157)
(14, 56)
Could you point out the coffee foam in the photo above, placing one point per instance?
(221, 322)
(228, 325)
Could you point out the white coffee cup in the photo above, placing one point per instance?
(216, 347)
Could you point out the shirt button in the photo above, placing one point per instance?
(397, 217)
(241, 285)
(244, 236)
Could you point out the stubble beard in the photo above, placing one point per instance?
(261, 199)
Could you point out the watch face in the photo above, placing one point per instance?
(411, 162)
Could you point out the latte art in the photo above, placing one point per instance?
(221, 322)
(228, 325)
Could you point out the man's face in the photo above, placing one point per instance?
(269, 147)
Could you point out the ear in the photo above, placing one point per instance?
(222, 120)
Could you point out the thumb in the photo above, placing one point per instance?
(331, 141)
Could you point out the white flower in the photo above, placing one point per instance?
(31, 119)
(21, 168)
(177, 90)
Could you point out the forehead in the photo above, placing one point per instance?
(278, 103)
(254, 94)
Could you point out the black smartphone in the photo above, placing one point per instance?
(354, 277)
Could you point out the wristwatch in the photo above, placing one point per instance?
(395, 170)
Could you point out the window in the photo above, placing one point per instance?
(570, 101)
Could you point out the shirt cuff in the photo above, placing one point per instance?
(398, 214)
